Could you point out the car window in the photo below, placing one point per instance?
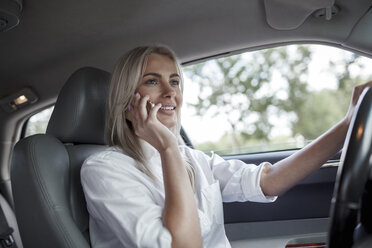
(38, 122)
(273, 99)
(268, 100)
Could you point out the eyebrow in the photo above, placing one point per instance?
(158, 75)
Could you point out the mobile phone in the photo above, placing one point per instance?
(149, 105)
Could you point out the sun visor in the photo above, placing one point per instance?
(10, 13)
(290, 14)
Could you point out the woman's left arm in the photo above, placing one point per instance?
(286, 173)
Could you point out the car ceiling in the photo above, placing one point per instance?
(54, 38)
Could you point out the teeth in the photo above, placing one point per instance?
(167, 108)
(164, 108)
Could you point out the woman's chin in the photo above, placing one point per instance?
(170, 124)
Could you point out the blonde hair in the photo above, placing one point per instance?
(125, 78)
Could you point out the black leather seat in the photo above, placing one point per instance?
(49, 202)
(11, 221)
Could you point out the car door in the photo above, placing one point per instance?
(300, 216)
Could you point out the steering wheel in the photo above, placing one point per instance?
(352, 175)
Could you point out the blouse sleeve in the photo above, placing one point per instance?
(238, 181)
(122, 204)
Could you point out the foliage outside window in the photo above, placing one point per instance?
(263, 101)
(38, 123)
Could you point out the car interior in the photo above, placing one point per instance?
(61, 54)
(73, 134)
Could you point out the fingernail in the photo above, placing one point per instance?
(137, 94)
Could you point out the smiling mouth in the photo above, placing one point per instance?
(168, 108)
(163, 108)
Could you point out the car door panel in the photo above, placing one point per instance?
(278, 234)
(299, 215)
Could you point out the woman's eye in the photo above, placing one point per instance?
(151, 82)
(174, 82)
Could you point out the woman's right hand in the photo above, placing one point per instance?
(147, 126)
(357, 91)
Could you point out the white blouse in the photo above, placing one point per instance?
(126, 206)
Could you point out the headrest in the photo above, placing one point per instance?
(79, 113)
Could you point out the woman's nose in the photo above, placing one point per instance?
(168, 91)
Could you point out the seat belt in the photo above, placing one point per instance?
(6, 232)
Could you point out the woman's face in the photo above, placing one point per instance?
(161, 81)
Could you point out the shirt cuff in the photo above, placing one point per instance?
(251, 188)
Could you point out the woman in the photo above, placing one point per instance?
(149, 190)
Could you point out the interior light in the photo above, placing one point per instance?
(20, 100)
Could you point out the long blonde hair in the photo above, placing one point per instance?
(124, 81)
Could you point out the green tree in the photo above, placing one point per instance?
(244, 90)
(323, 109)
(320, 111)
(250, 91)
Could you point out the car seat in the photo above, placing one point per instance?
(12, 239)
(49, 201)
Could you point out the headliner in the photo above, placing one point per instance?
(54, 38)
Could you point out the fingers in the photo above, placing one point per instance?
(143, 109)
(154, 110)
(363, 86)
(366, 85)
(139, 106)
(358, 91)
